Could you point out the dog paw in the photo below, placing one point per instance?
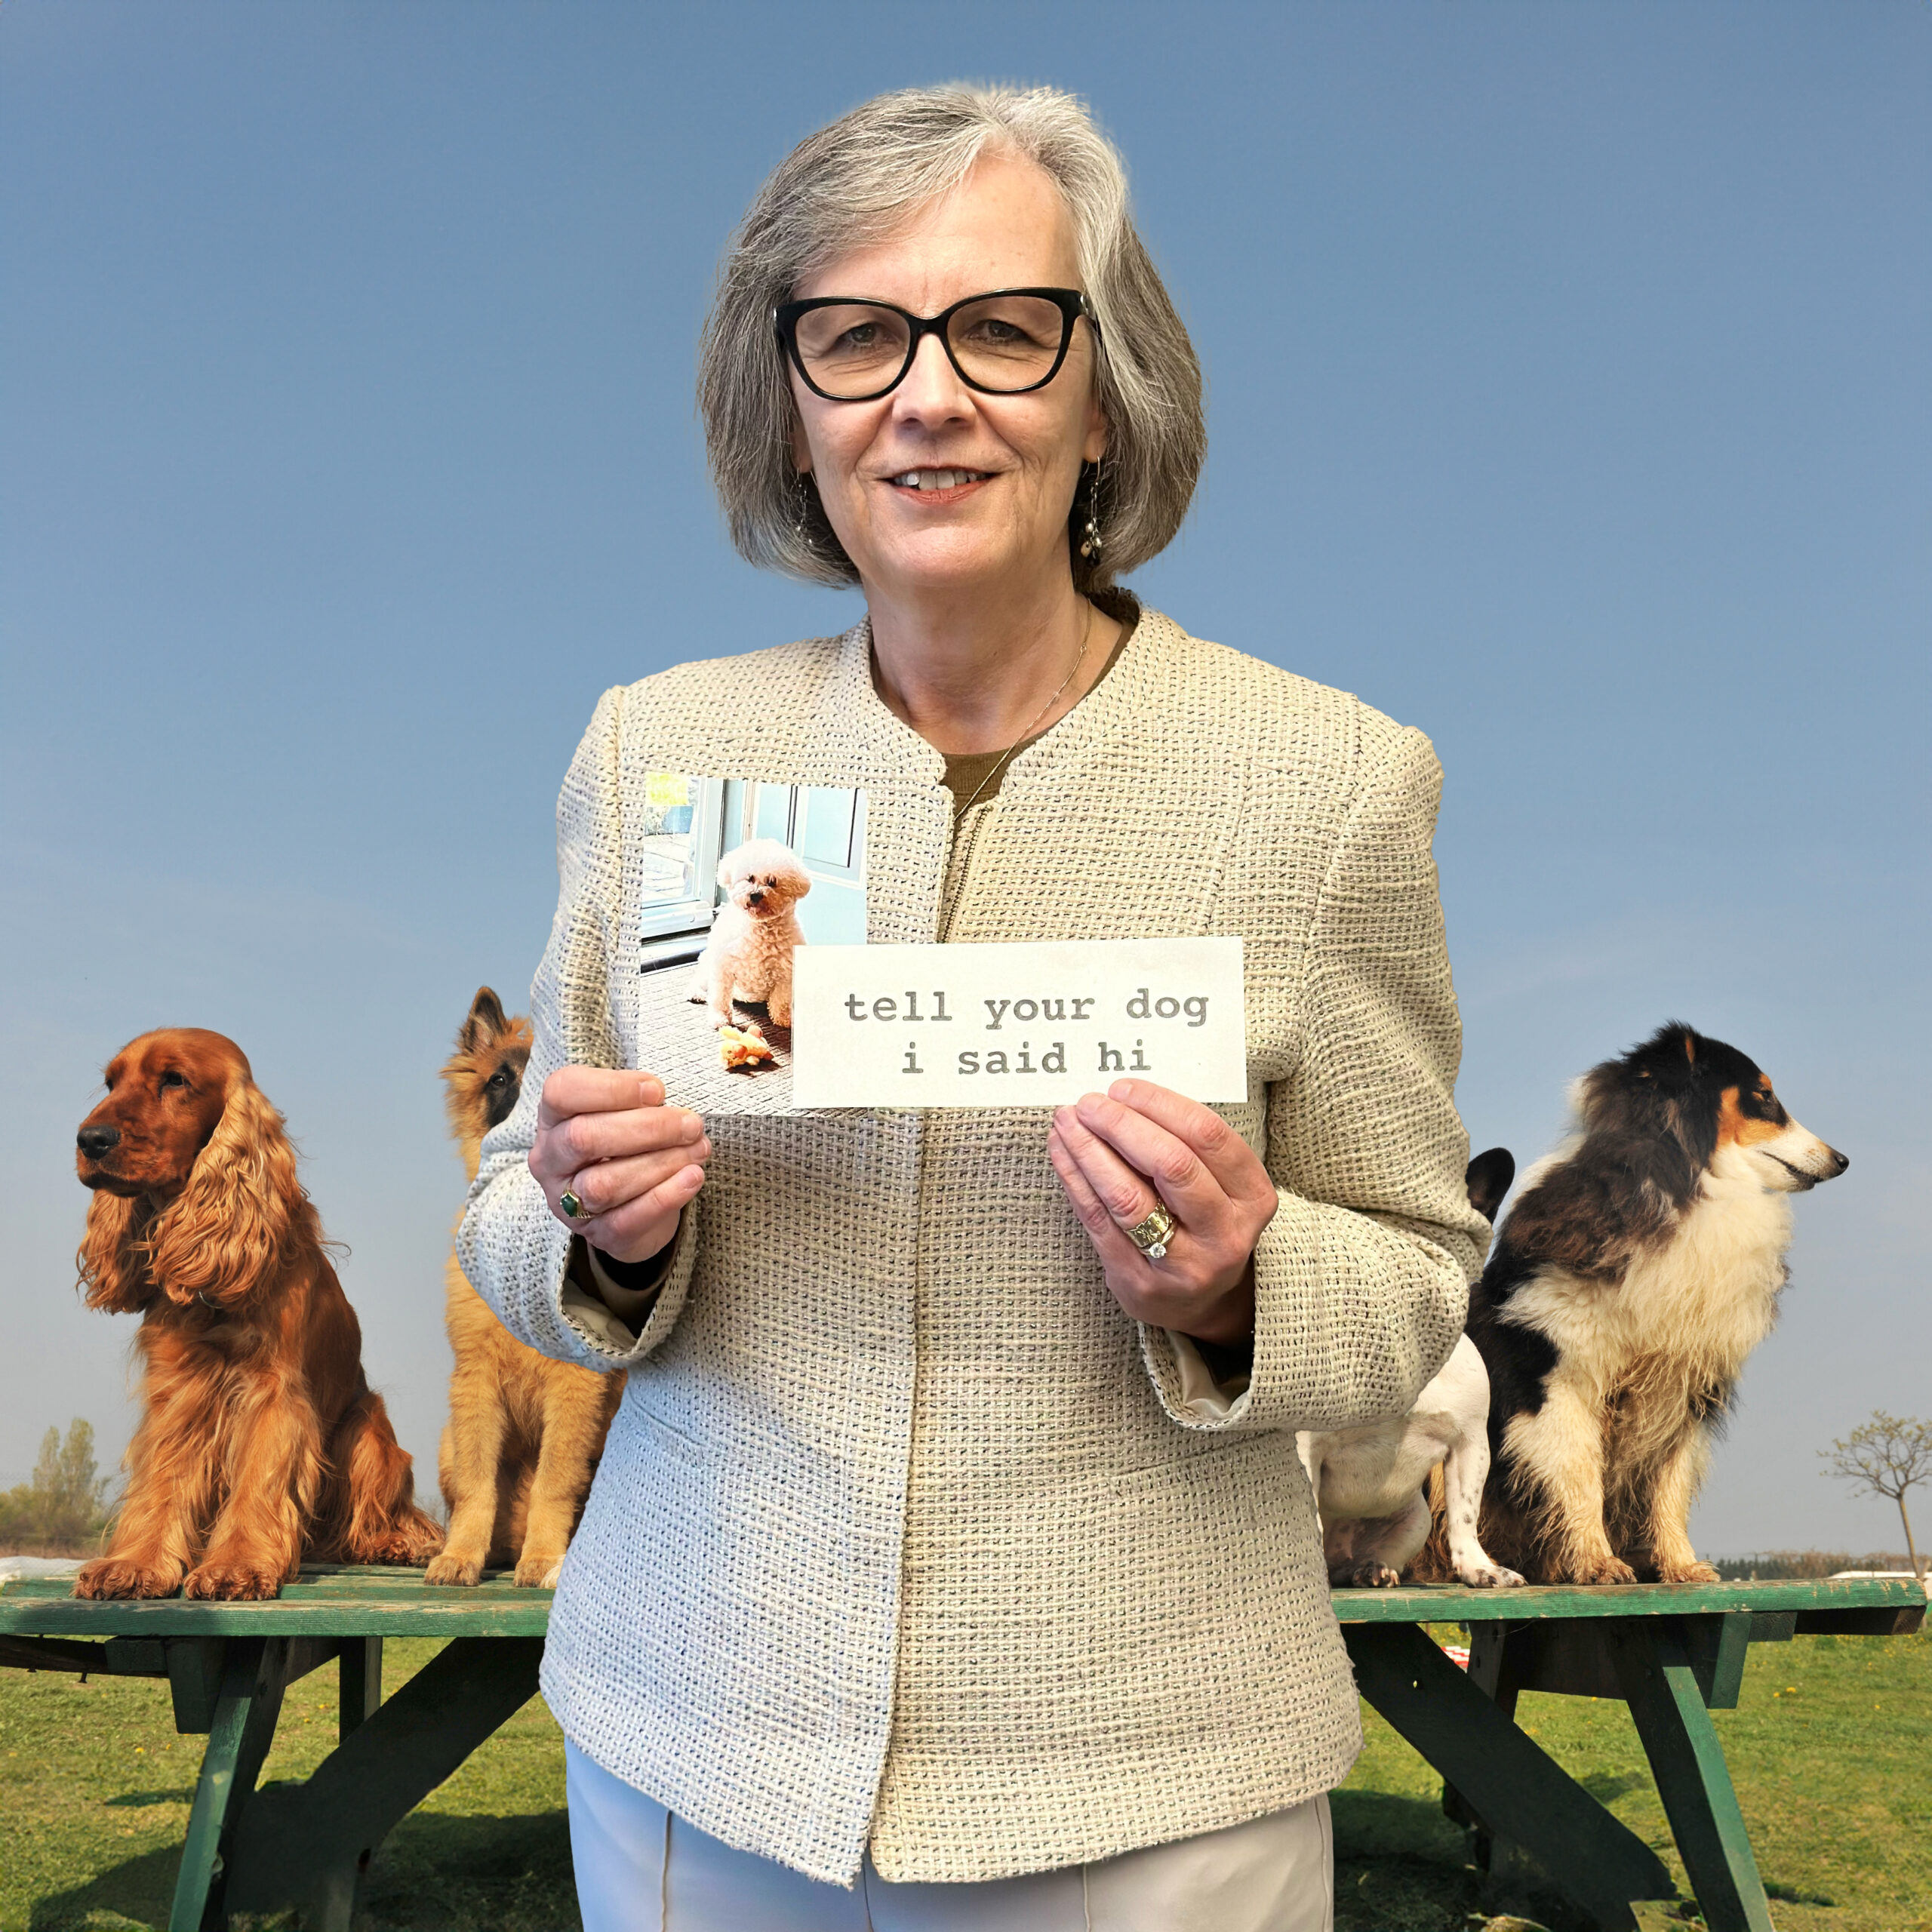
(446, 1568)
(111, 1577)
(1687, 1573)
(1494, 1578)
(233, 1582)
(538, 1573)
(414, 1540)
(1368, 1574)
(1610, 1570)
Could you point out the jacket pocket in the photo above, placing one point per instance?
(664, 1437)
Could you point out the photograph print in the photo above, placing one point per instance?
(739, 872)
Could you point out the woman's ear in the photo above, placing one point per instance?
(223, 1233)
(112, 1258)
(1099, 433)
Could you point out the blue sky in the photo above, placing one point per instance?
(1568, 391)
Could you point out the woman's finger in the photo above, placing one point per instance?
(645, 1226)
(608, 1185)
(1109, 1239)
(1171, 1168)
(583, 1138)
(593, 1089)
(1225, 1154)
(1123, 1192)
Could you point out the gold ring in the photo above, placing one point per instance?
(1151, 1235)
(573, 1207)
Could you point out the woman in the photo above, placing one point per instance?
(948, 1545)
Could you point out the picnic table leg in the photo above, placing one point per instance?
(246, 1708)
(301, 1845)
(359, 1682)
(1516, 1788)
(1692, 1780)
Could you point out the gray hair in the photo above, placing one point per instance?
(856, 182)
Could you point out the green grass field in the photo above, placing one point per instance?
(1830, 1747)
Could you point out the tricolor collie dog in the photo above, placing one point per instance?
(1372, 1483)
(1641, 1265)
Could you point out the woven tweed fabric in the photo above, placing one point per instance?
(904, 1536)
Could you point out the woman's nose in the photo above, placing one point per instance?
(95, 1141)
(931, 390)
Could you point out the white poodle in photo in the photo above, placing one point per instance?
(749, 955)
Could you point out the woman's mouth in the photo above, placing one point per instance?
(930, 482)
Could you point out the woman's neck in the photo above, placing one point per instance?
(977, 671)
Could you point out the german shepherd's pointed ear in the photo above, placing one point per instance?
(486, 1024)
(1487, 1178)
(223, 1234)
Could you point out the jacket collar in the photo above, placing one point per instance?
(857, 734)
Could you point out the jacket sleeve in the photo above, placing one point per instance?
(516, 1253)
(1361, 1279)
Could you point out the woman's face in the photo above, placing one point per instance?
(1005, 226)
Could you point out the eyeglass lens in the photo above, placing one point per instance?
(851, 349)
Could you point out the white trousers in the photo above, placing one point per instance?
(641, 1869)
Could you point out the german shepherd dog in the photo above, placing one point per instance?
(524, 1432)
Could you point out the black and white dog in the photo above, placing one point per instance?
(1372, 1483)
(1640, 1267)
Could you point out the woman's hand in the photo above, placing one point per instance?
(632, 1161)
(1119, 1156)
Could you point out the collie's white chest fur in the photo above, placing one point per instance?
(1706, 1298)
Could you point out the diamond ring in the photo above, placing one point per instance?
(1152, 1235)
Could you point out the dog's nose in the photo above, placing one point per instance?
(755, 898)
(1839, 1161)
(95, 1141)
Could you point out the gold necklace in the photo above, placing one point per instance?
(1000, 764)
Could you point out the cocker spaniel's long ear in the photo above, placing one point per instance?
(223, 1233)
(113, 1256)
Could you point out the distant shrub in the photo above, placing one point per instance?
(62, 1508)
(1769, 1566)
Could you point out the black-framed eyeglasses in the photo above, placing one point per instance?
(1004, 343)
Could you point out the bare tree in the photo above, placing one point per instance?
(1886, 1457)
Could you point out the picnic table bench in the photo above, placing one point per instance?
(1673, 1653)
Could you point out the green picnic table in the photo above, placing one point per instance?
(1674, 1653)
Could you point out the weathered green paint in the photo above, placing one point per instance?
(346, 1601)
(1662, 1690)
(1819, 1596)
(298, 1846)
(390, 1613)
(1717, 1647)
(194, 1680)
(244, 1727)
(1516, 1788)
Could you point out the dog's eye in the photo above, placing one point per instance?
(501, 1078)
(171, 1078)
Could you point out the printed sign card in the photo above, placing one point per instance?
(759, 996)
(1015, 1026)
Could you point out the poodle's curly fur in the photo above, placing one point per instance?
(749, 955)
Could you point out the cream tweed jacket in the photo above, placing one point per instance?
(905, 1537)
